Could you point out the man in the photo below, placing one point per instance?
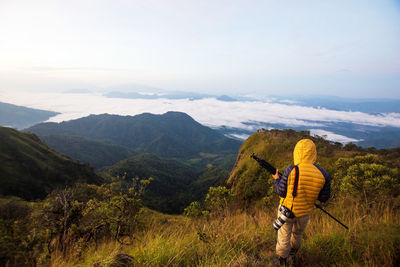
(313, 184)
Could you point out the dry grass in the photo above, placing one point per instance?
(247, 239)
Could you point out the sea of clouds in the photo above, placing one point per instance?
(207, 111)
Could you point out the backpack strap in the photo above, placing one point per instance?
(296, 181)
(295, 184)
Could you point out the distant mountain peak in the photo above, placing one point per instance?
(177, 115)
(172, 134)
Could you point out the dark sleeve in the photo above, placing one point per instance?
(280, 184)
(325, 192)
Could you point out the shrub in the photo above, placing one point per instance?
(370, 181)
(17, 240)
(90, 212)
(194, 210)
(366, 177)
(69, 220)
(218, 198)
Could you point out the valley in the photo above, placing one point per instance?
(109, 183)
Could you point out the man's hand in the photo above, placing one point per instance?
(276, 175)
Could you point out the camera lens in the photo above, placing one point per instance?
(285, 213)
(279, 222)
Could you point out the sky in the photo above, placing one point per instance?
(348, 48)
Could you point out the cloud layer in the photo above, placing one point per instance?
(209, 111)
(332, 136)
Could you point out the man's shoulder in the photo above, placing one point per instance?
(322, 170)
(319, 167)
(288, 170)
(290, 167)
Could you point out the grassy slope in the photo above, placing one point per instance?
(248, 239)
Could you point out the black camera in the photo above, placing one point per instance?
(285, 214)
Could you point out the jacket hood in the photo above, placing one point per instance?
(304, 152)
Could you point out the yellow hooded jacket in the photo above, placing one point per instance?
(312, 179)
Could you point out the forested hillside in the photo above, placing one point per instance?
(30, 169)
(174, 184)
(97, 154)
(170, 180)
(172, 135)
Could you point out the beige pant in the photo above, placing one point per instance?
(290, 235)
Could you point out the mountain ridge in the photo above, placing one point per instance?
(21, 117)
(172, 134)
